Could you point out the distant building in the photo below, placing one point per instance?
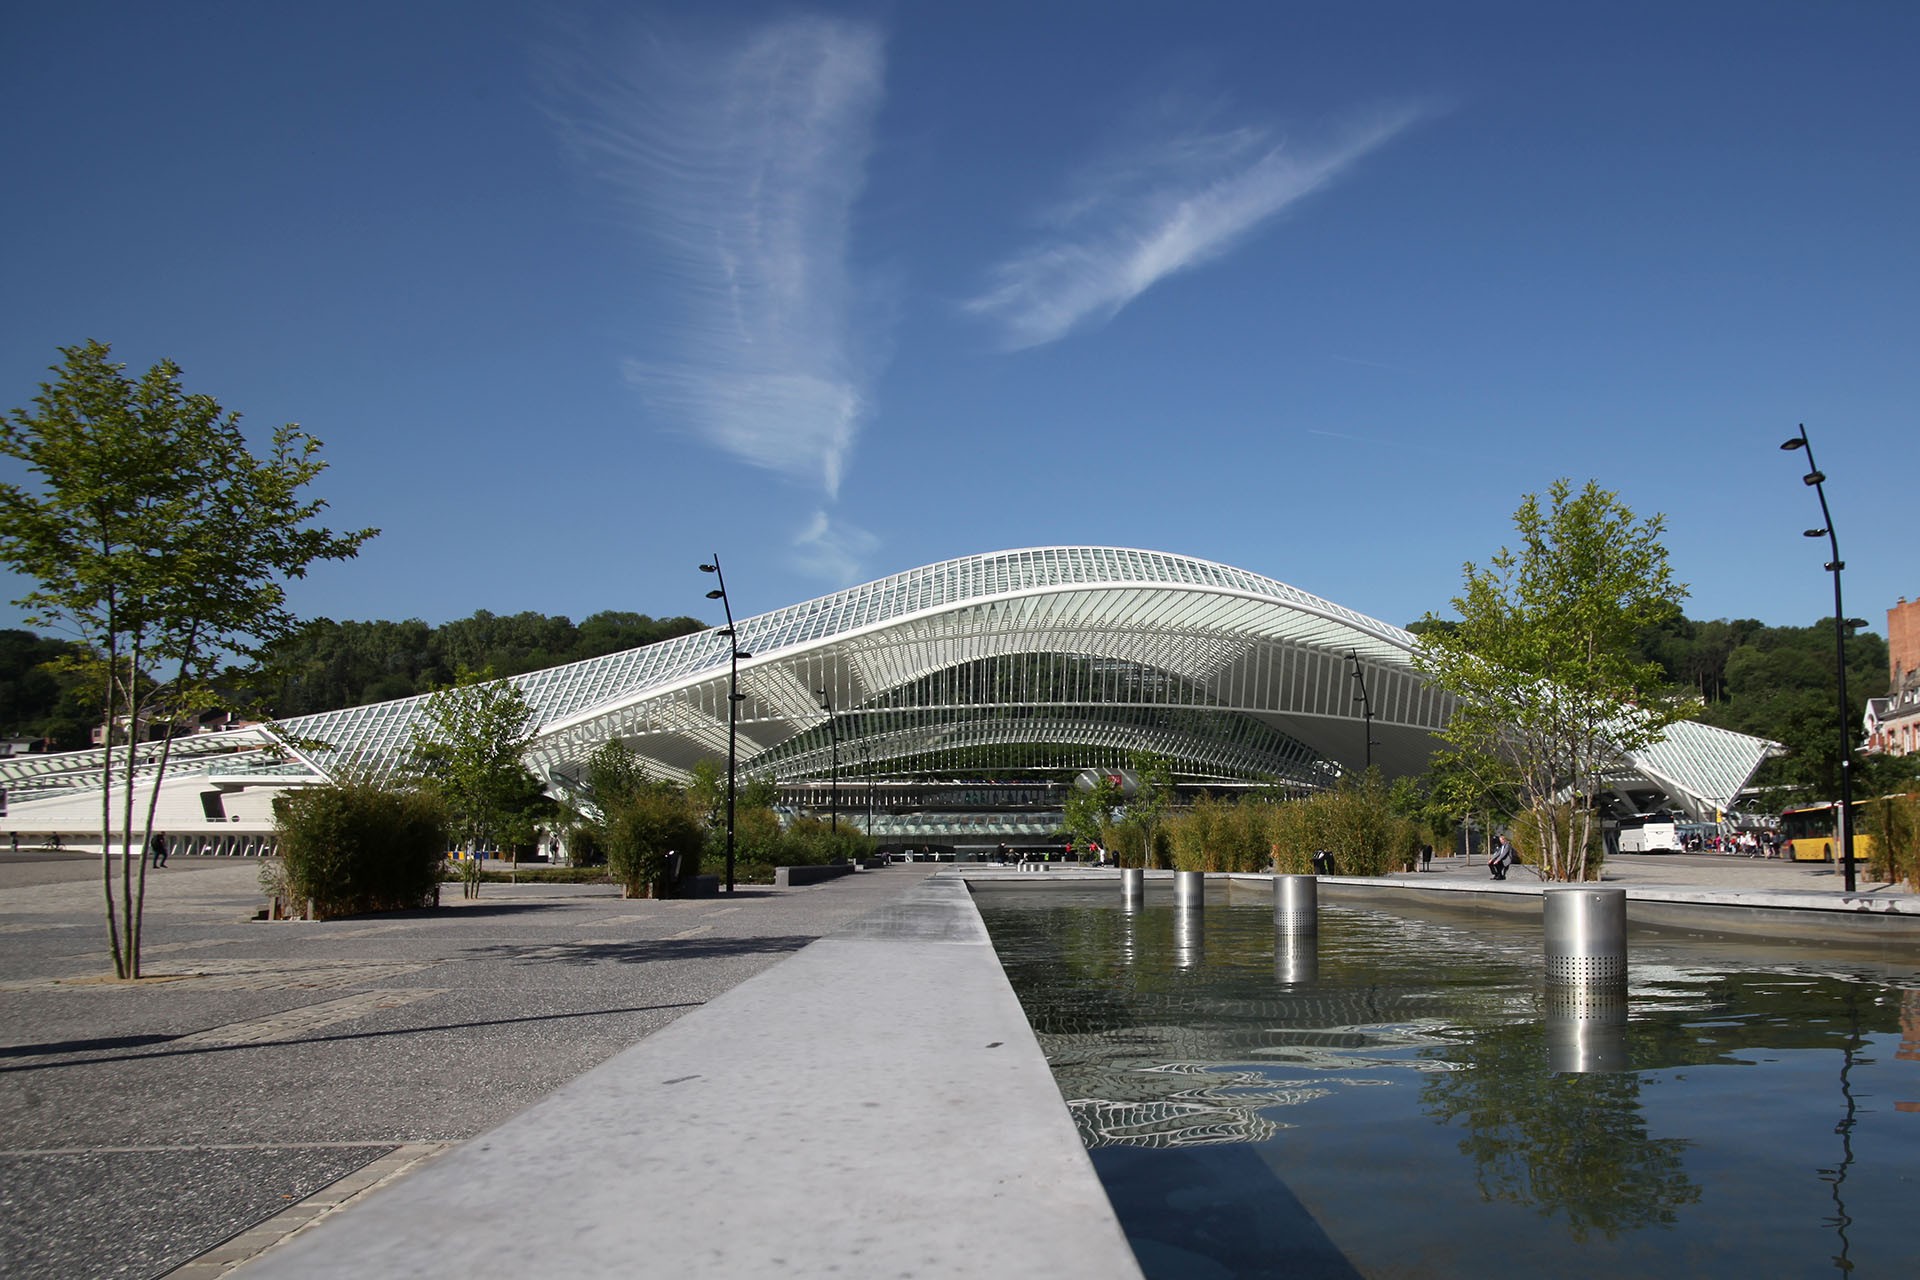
(1893, 722)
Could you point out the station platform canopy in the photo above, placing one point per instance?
(1012, 664)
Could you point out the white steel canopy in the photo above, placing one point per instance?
(1019, 661)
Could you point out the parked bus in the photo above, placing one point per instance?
(1809, 832)
(1649, 833)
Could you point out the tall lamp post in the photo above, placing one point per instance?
(833, 736)
(1816, 480)
(734, 697)
(1366, 704)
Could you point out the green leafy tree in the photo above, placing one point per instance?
(1089, 810)
(467, 749)
(159, 541)
(1141, 813)
(1544, 661)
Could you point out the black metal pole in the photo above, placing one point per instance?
(1844, 830)
(1366, 705)
(833, 737)
(734, 654)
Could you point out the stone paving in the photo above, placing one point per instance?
(267, 1067)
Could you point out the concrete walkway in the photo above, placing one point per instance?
(183, 1123)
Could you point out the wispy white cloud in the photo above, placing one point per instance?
(742, 163)
(1156, 208)
(836, 552)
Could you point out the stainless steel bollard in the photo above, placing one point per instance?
(1586, 934)
(1189, 888)
(1296, 904)
(1133, 885)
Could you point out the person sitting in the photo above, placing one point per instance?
(1501, 858)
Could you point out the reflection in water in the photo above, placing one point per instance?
(1296, 958)
(1586, 1031)
(1213, 1067)
(1572, 1145)
(1189, 936)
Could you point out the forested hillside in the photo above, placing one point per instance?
(335, 664)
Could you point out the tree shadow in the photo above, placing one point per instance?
(641, 950)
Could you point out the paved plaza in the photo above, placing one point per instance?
(261, 1062)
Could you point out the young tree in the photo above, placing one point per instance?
(163, 544)
(467, 748)
(1544, 661)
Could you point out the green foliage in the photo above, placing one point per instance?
(155, 537)
(327, 665)
(352, 847)
(1894, 822)
(1088, 812)
(466, 750)
(43, 690)
(1544, 661)
(1355, 821)
(641, 830)
(1141, 842)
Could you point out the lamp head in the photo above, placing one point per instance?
(1813, 477)
(740, 653)
(714, 568)
(1798, 442)
(1814, 533)
(715, 595)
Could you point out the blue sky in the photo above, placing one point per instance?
(580, 294)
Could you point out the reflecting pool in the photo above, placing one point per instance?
(1400, 1098)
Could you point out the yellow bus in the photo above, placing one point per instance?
(1809, 832)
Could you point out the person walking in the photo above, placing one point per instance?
(157, 849)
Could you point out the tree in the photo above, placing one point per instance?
(466, 749)
(1142, 811)
(162, 544)
(1544, 661)
(1089, 810)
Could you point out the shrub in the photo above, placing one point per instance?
(350, 847)
(1894, 822)
(642, 829)
(1355, 822)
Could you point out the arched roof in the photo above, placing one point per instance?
(1227, 640)
(1101, 649)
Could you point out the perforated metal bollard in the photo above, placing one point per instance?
(1296, 904)
(1133, 885)
(1586, 936)
(1189, 888)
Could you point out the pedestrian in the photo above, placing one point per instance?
(1426, 857)
(157, 848)
(1501, 858)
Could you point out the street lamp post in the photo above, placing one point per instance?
(1366, 704)
(833, 737)
(1816, 481)
(734, 696)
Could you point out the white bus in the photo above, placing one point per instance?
(1649, 833)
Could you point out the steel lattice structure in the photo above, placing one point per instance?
(1008, 662)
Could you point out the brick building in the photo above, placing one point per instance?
(1893, 722)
